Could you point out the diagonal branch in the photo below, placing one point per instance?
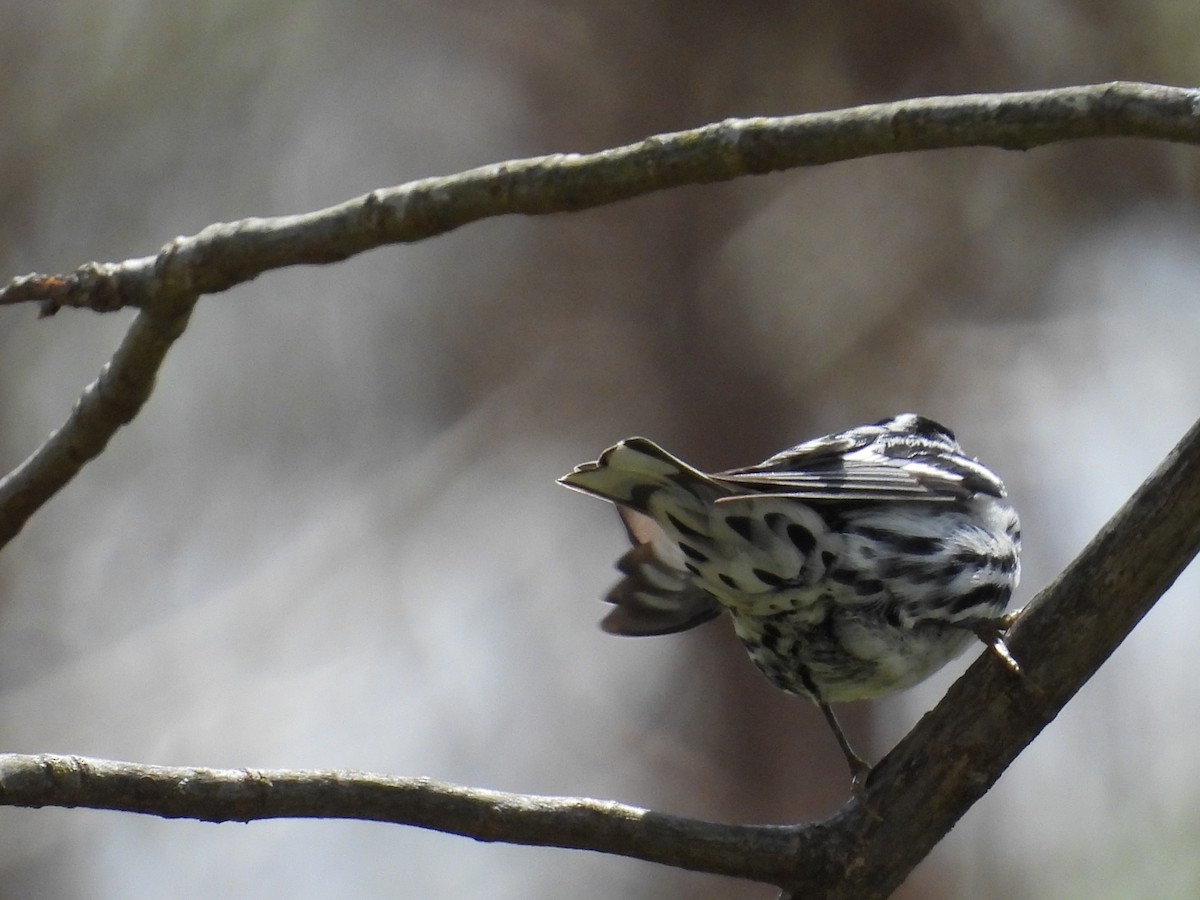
(913, 797)
(112, 400)
(958, 750)
(224, 255)
(221, 256)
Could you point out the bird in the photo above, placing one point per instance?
(852, 565)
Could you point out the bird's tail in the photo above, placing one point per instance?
(658, 595)
(631, 472)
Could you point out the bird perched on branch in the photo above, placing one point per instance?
(852, 565)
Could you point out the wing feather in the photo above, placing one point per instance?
(858, 466)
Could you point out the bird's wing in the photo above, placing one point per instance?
(841, 468)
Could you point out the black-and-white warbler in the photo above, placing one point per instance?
(853, 565)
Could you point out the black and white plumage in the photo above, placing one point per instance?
(852, 565)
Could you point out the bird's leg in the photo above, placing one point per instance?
(859, 767)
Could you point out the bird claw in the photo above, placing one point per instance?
(993, 631)
(859, 770)
(858, 789)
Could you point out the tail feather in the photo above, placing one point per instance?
(657, 595)
(633, 470)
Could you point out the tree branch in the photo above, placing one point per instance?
(920, 789)
(222, 795)
(958, 750)
(112, 400)
(224, 255)
(912, 798)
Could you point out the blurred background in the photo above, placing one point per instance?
(333, 537)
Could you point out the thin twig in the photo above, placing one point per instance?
(112, 400)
